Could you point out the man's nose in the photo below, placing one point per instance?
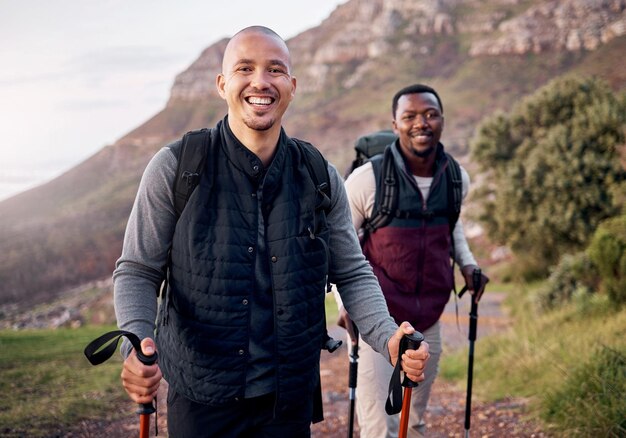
(420, 120)
(260, 79)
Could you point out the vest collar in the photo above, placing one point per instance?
(242, 157)
(401, 162)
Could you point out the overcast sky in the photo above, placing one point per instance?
(77, 75)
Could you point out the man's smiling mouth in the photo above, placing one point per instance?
(257, 100)
(422, 136)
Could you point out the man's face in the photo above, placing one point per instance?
(256, 80)
(418, 123)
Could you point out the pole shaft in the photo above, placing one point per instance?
(144, 425)
(470, 375)
(351, 424)
(473, 322)
(404, 414)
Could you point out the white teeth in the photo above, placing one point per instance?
(260, 100)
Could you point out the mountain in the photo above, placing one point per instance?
(481, 55)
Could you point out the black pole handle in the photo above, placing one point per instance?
(102, 348)
(354, 360)
(477, 279)
(473, 315)
(410, 342)
(146, 408)
(393, 405)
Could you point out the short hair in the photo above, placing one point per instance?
(261, 29)
(413, 89)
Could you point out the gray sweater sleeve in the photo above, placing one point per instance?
(140, 269)
(462, 253)
(352, 274)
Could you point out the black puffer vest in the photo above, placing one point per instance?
(204, 328)
(411, 256)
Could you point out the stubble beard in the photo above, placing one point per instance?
(258, 124)
(424, 153)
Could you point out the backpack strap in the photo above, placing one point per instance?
(318, 169)
(455, 190)
(386, 197)
(193, 152)
(191, 158)
(455, 199)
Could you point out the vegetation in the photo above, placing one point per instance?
(48, 385)
(553, 169)
(570, 363)
(601, 268)
(608, 252)
(556, 197)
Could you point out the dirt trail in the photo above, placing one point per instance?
(446, 410)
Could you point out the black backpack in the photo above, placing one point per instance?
(376, 143)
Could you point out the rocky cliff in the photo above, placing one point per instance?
(359, 32)
(571, 25)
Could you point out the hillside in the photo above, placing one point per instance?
(480, 55)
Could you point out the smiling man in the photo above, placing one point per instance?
(241, 324)
(411, 253)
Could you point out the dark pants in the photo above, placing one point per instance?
(251, 418)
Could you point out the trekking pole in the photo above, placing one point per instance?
(396, 402)
(146, 409)
(354, 365)
(98, 351)
(411, 342)
(473, 322)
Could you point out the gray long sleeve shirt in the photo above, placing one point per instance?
(140, 269)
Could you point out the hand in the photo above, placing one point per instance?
(467, 272)
(140, 381)
(413, 361)
(344, 321)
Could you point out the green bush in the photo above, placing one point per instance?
(575, 275)
(552, 169)
(591, 401)
(608, 252)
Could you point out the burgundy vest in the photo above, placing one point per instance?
(411, 255)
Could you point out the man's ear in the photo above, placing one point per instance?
(220, 84)
(293, 89)
(394, 126)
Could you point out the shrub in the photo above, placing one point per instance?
(607, 251)
(575, 275)
(552, 168)
(591, 402)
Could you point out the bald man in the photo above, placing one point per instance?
(241, 324)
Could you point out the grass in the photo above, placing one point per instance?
(48, 386)
(332, 313)
(570, 364)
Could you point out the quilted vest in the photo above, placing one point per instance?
(204, 328)
(411, 256)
